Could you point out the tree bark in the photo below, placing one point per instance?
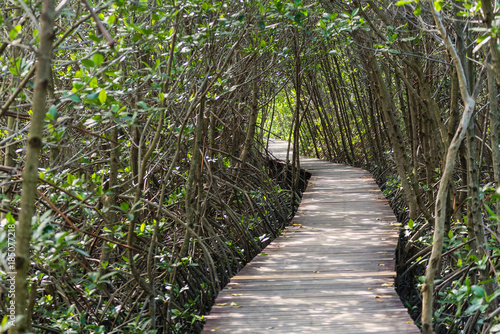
(446, 178)
(395, 137)
(110, 200)
(252, 123)
(30, 173)
(489, 14)
(195, 165)
(494, 130)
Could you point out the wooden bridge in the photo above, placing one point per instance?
(331, 272)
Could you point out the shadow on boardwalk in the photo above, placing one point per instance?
(331, 272)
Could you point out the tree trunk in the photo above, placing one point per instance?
(195, 165)
(110, 200)
(494, 131)
(252, 123)
(30, 173)
(10, 153)
(446, 178)
(395, 139)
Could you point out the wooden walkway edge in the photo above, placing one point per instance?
(331, 272)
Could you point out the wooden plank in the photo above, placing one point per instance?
(332, 272)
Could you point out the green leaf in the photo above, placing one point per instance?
(124, 206)
(489, 210)
(70, 179)
(98, 59)
(262, 10)
(81, 251)
(450, 234)
(10, 218)
(16, 66)
(478, 291)
(142, 104)
(92, 96)
(5, 325)
(93, 83)
(107, 275)
(14, 32)
(472, 309)
(411, 223)
(482, 38)
(438, 5)
(97, 40)
(481, 41)
(52, 112)
(417, 10)
(404, 2)
(88, 63)
(493, 295)
(75, 98)
(143, 227)
(103, 96)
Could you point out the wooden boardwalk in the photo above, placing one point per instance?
(331, 272)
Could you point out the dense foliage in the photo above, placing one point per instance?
(151, 189)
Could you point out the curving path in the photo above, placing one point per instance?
(331, 272)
